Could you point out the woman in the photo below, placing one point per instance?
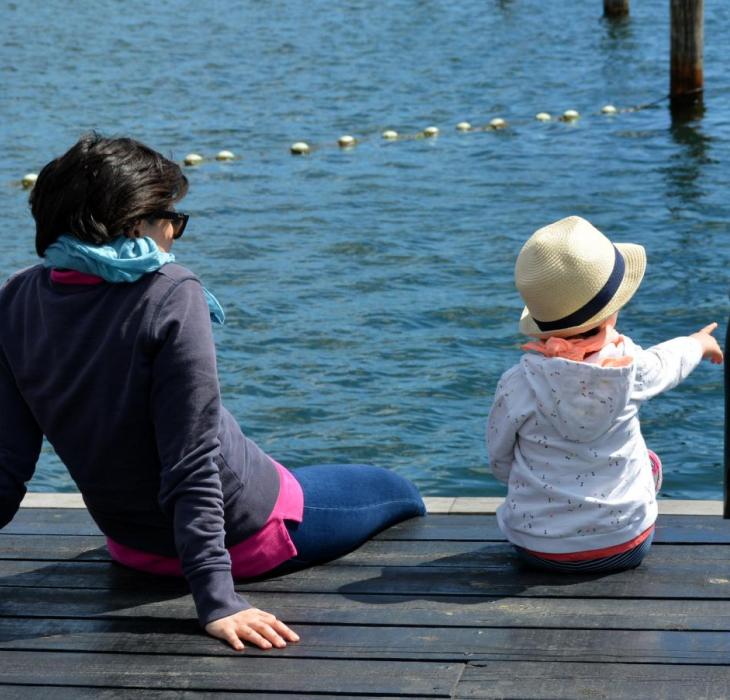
(106, 349)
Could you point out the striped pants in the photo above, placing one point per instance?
(617, 562)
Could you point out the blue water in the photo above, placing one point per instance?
(369, 292)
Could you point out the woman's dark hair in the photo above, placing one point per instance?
(99, 188)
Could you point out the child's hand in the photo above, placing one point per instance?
(710, 348)
(253, 625)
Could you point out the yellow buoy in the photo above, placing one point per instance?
(390, 135)
(463, 126)
(224, 155)
(498, 123)
(299, 148)
(346, 141)
(193, 159)
(543, 117)
(431, 131)
(570, 115)
(608, 109)
(29, 180)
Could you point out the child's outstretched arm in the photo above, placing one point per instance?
(710, 347)
(661, 367)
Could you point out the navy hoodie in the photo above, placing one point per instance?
(122, 380)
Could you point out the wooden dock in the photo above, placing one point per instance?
(435, 607)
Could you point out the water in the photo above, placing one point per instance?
(369, 292)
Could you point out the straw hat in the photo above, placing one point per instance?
(572, 278)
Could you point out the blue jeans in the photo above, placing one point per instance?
(617, 562)
(344, 506)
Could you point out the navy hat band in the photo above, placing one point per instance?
(599, 301)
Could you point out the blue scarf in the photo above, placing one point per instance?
(122, 260)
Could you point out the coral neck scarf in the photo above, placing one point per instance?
(577, 349)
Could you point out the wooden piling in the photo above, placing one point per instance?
(615, 8)
(726, 481)
(687, 46)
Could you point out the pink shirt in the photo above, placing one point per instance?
(73, 277)
(260, 553)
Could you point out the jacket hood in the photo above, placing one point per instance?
(580, 400)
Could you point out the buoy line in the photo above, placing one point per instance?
(348, 142)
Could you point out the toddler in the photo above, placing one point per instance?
(564, 429)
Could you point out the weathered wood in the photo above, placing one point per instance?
(677, 529)
(387, 609)
(431, 608)
(670, 528)
(615, 8)
(726, 480)
(36, 692)
(462, 553)
(497, 555)
(51, 522)
(240, 672)
(479, 505)
(687, 47)
(649, 581)
(449, 644)
(536, 681)
(58, 548)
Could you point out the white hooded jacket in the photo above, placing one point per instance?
(566, 438)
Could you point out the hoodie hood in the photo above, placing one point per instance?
(580, 400)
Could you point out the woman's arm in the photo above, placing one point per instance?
(20, 444)
(185, 404)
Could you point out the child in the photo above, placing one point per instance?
(564, 429)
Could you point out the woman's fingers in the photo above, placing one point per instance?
(229, 635)
(263, 641)
(253, 625)
(709, 328)
(285, 631)
(277, 626)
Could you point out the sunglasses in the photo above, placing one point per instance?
(178, 219)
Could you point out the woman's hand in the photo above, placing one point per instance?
(253, 625)
(710, 347)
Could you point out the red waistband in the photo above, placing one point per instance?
(589, 554)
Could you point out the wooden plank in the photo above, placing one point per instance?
(450, 644)
(56, 548)
(532, 681)
(384, 609)
(459, 553)
(236, 672)
(497, 555)
(52, 500)
(375, 552)
(64, 545)
(33, 692)
(679, 529)
(435, 504)
(52, 521)
(651, 580)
